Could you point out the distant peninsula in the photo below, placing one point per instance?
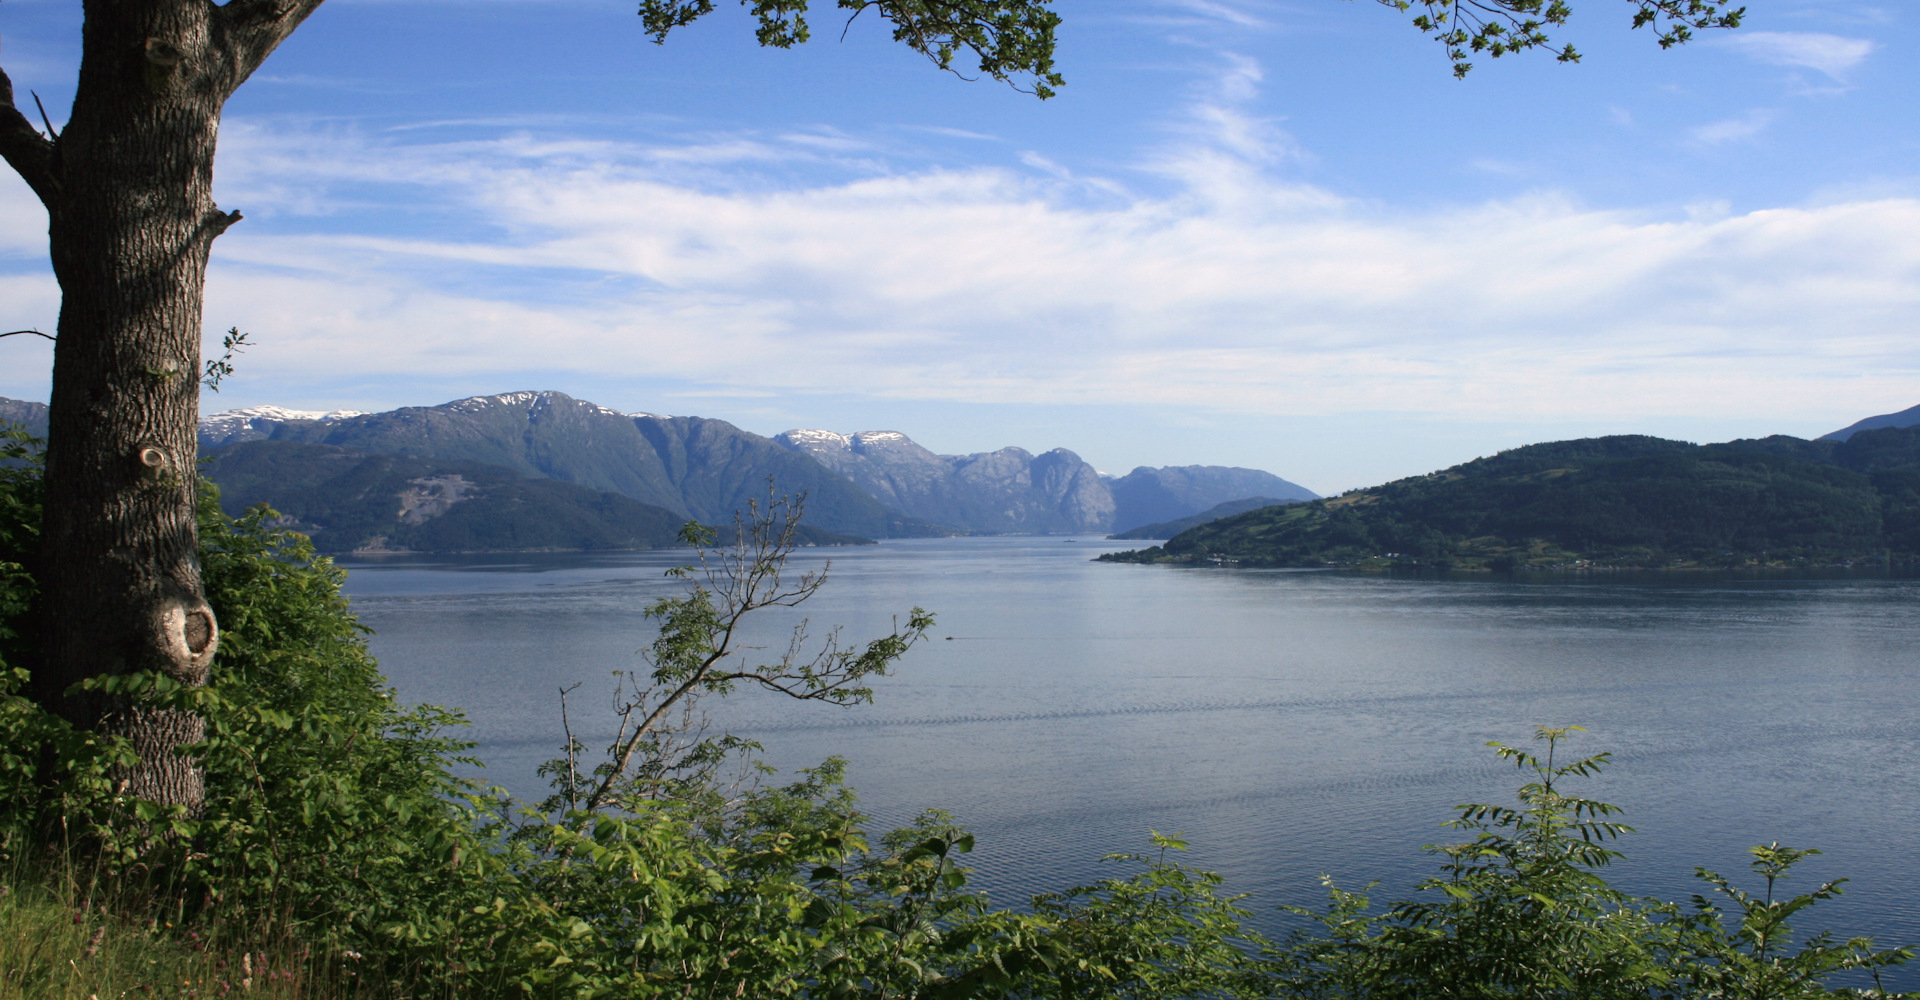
(1624, 502)
(1168, 529)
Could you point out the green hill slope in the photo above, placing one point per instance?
(1621, 501)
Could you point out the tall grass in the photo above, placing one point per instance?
(66, 934)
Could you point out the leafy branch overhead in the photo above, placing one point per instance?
(1012, 40)
(1502, 27)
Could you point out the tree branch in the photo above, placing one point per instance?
(22, 333)
(24, 148)
(245, 33)
(1505, 27)
(1013, 40)
(623, 758)
(693, 654)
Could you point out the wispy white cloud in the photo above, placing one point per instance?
(1238, 78)
(23, 222)
(955, 133)
(1205, 275)
(1225, 12)
(1833, 55)
(1237, 290)
(1845, 12)
(1741, 129)
(1236, 14)
(1044, 164)
(1220, 134)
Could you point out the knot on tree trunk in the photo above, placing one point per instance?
(187, 636)
(162, 58)
(153, 462)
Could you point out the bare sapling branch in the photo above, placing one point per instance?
(699, 651)
(572, 787)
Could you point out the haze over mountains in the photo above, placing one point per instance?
(1015, 491)
(693, 467)
(876, 484)
(462, 456)
(545, 470)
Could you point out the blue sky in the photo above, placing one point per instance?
(1268, 233)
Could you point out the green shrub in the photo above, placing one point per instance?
(1522, 911)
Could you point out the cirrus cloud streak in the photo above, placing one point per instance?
(1233, 290)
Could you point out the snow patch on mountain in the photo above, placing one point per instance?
(803, 439)
(474, 404)
(880, 437)
(233, 420)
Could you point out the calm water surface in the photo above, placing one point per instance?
(1290, 723)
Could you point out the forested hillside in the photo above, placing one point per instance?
(350, 501)
(1618, 501)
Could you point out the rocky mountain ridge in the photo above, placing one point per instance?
(872, 484)
(697, 468)
(256, 423)
(1015, 491)
(349, 501)
(998, 492)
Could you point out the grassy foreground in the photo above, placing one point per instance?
(56, 943)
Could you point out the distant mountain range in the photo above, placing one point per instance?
(697, 468)
(1909, 417)
(1613, 501)
(1168, 529)
(1015, 491)
(352, 501)
(544, 470)
(19, 411)
(874, 484)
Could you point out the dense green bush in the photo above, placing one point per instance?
(337, 834)
(1522, 910)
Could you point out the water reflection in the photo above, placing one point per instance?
(1291, 723)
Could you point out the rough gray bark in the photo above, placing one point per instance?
(128, 187)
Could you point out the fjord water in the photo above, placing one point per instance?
(1289, 723)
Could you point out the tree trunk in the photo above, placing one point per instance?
(128, 187)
